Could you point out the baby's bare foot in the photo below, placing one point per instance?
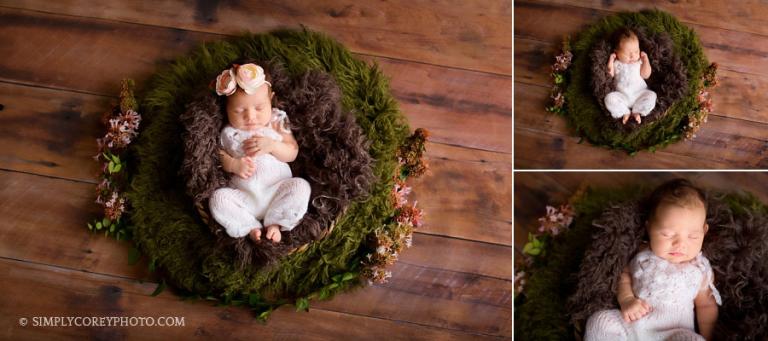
(255, 235)
(625, 119)
(273, 233)
(637, 117)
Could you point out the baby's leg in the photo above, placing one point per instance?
(617, 103)
(233, 209)
(644, 103)
(605, 325)
(289, 204)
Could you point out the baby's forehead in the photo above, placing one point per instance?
(629, 42)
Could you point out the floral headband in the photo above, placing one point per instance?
(248, 76)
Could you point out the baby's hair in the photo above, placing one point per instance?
(679, 192)
(621, 34)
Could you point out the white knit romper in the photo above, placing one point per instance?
(670, 290)
(271, 194)
(632, 94)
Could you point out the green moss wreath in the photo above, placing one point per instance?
(573, 94)
(166, 228)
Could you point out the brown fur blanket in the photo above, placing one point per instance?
(333, 157)
(668, 77)
(736, 245)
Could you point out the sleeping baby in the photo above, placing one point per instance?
(629, 68)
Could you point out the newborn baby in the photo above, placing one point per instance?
(257, 146)
(629, 68)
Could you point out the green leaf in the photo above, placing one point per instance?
(324, 294)
(90, 227)
(106, 222)
(527, 248)
(115, 158)
(152, 263)
(348, 276)
(111, 228)
(98, 225)
(534, 252)
(118, 167)
(264, 315)
(159, 289)
(133, 256)
(111, 167)
(302, 304)
(337, 278)
(333, 286)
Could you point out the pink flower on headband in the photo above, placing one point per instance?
(250, 77)
(225, 83)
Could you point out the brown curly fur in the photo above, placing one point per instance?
(668, 79)
(735, 245)
(333, 157)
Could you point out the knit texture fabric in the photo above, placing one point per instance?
(271, 196)
(670, 290)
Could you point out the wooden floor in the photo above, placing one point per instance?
(733, 33)
(449, 62)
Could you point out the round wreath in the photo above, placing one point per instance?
(681, 75)
(358, 154)
(568, 270)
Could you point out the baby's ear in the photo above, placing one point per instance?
(706, 227)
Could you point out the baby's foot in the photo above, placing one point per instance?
(273, 233)
(637, 117)
(624, 119)
(255, 235)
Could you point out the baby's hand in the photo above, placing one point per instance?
(634, 309)
(644, 56)
(245, 167)
(612, 58)
(258, 145)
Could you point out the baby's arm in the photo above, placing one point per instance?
(632, 308)
(285, 151)
(645, 69)
(706, 311)
(242, 167)
(611, 59)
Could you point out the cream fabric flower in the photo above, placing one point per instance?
(250, 77)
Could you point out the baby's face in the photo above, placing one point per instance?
(250, 112)
(677, 232)
(628, 51)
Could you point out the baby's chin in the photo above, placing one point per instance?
(673, 257)
(251, 127)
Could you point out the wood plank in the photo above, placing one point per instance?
(466, 194)
(50, 132)
(450, 33)
(435, 298)
(743, 16)
(470, 299)
(89, 55)
(53, 132)
(533, 191)
(536, 149)
(721, 143)
(733, 50)
(739, 95)
(61, 292)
